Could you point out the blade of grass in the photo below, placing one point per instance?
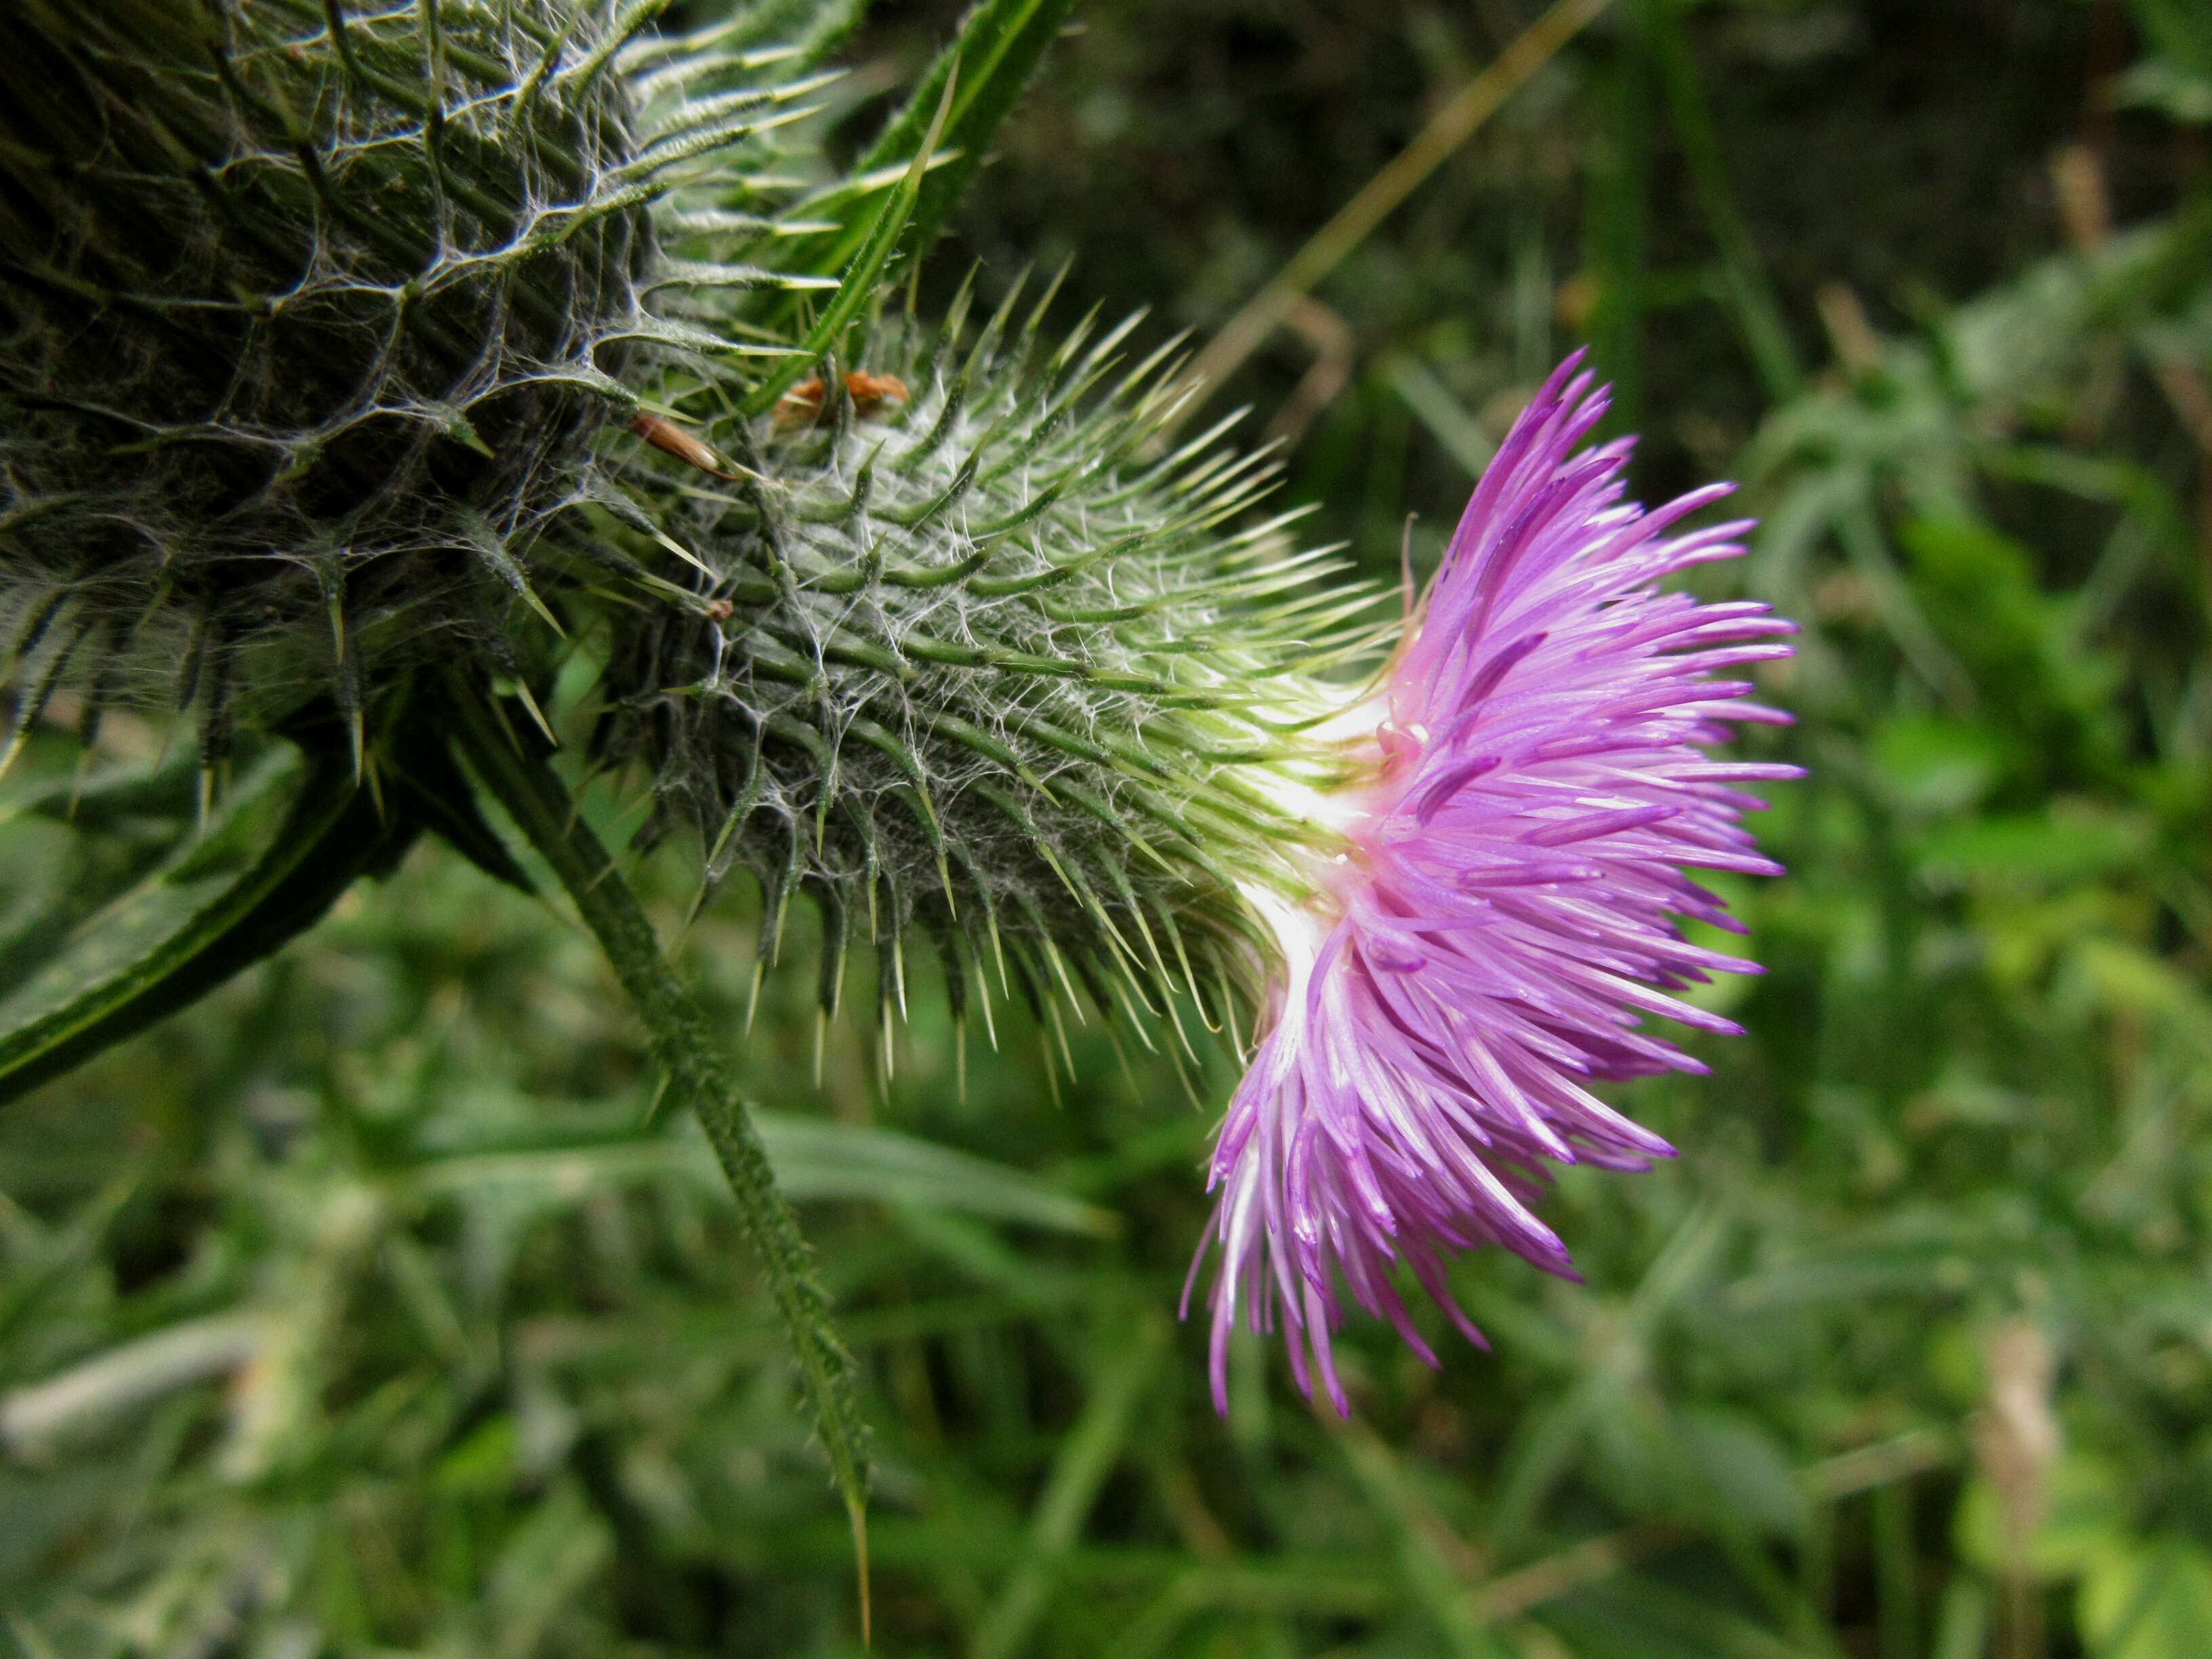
(1434, 1563)
(957, 106)
(1897, 1591)
(1448, 421)
(1459, 120)
(858, 286)
(1618, 229)
(1750, 292)
(998, 48)
(1085, 1459)
(95, 1391)
(1550, 1441)
(813, 1158)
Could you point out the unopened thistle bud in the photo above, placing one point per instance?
(308, 315)
(973, 648)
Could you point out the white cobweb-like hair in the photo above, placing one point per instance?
(981, 656)
(309, 314)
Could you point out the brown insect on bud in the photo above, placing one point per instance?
(802, 405)
(670, 439)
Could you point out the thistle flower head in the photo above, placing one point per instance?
(1506, 913)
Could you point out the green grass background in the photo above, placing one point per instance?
(365, 1308)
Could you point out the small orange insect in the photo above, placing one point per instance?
(869, 392)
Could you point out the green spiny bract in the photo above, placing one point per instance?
(310, 310)
(987, 656)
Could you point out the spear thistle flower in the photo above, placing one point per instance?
(1505, 908)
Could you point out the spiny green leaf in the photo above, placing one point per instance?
(220, 903)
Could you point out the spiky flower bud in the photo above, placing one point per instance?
(975, 649)
(308, 315)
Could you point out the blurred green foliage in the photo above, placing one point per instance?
(368, 1308)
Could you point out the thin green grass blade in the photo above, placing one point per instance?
(858, 286)
(814, 1160)
(973, 85)
(1087, 1455)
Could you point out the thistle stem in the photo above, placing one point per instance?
(509, 764)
